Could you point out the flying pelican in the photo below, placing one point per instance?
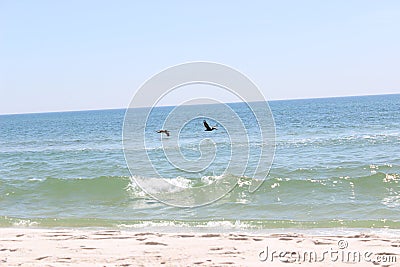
(163, 131)
(208, 128)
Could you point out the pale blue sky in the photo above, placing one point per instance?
(75, 55)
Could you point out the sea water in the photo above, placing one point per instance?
(336, 164)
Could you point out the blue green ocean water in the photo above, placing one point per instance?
(337, 164)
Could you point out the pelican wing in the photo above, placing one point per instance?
(207, 126)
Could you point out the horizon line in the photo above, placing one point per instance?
(124, 108)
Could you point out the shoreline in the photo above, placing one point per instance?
(147, 247)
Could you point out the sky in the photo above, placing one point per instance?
(79, 55)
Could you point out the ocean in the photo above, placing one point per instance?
(336, 164)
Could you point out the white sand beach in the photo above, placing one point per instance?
(110, 247)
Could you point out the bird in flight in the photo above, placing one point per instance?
(164, 132)
(208, 128)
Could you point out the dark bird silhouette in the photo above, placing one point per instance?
(164, 132)
(208, 128)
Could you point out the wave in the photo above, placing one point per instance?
(206, 225)
(117, 201)
(102, 187)
(123, 185)
(348, 139)
(61, 149)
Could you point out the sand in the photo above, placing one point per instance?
(110, 247)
